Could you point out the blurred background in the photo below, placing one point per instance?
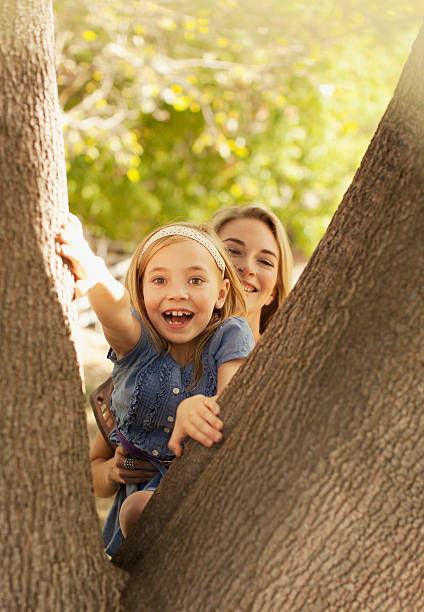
(173, 109)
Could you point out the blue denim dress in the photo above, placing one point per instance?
(148, 387)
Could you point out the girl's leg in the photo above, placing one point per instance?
(131, 510)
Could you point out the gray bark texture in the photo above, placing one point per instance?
(314, 501)
(52, 554)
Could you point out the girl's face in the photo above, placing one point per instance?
(255, 255)
(181, 286)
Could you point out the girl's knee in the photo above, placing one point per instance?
(131, 510)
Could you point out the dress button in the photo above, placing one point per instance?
(171, 419)
(175, 390)
(166, 429)
(155, 453)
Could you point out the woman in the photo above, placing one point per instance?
(260, 252)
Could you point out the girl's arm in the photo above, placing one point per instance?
(198, 416)
(108, 297)
(108, 471)
(225, 373)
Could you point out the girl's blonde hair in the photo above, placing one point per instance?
(234, 305)
(285, 263)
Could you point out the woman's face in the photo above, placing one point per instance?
(255, 255)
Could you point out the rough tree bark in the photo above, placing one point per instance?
(315, 499)
(51, 545)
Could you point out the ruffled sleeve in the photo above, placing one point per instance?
(232, 340)
(144, 344)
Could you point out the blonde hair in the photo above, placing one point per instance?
(234, 305)
(285, 263)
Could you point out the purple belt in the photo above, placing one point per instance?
(136, 452)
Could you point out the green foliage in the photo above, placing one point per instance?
(173, 109)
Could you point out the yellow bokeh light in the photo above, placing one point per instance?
(133, 175)
(89, 35)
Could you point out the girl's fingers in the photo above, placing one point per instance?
(206, 415)
(71, 232)
(198, 429)
(202, 429)
(198, 419)
(175, 440)
(78, 270)
(206, 438)
(72, 238)
(67, 251)
(211, 403)
(206, 409)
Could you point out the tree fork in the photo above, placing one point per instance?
(314, 500)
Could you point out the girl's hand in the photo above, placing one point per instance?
(197, 417)
(119, 473)
(86, 267)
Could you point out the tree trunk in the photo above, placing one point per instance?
(314, 500)
(51, 544)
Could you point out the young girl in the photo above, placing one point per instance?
(176, 335)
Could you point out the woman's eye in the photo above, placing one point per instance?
(158, 281)
(196, 281)
(266, 262)
(233, 251)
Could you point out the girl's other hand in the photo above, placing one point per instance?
(197, 417)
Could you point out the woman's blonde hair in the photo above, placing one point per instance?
(234, 305)
(285, 263)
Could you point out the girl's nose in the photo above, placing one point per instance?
(178, 292)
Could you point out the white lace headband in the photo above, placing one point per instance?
(188, 232)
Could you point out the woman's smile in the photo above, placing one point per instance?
(248, 288)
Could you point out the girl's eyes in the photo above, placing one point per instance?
(192, 281)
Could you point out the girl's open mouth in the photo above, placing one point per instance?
(177, 317)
